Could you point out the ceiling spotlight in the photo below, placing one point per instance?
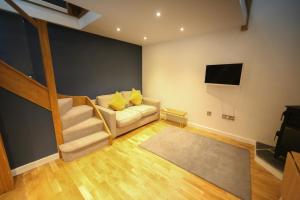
(157, 14)
(181, 29)
(145, 38)
(118, 29)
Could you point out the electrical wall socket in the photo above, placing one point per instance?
(228, 117)
(208, 113)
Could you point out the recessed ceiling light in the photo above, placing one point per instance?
(181, 29)
(157, 14)
(118, 29)
(145, 38)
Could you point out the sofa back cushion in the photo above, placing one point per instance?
(126, 95)
(104, 100)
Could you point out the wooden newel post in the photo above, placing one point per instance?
(6, 179)
(50, 78)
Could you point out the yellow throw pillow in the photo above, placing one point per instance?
(117, 102)
(136, 97)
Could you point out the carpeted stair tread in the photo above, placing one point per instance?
(82, 129)
(65, 105)
(76, 115)
(83, 142)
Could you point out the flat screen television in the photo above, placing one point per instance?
(229, 74)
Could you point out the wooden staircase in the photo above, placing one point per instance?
(84, 130)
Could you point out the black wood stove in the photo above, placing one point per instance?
(289, 133)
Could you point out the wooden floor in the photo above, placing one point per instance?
(125, 171)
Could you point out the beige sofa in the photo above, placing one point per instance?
(131, 117)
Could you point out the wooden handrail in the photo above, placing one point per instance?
(84, 100)
(23, 86)
(99, 115)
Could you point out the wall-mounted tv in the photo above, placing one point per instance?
(229, 74)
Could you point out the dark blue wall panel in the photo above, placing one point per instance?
(35, 52)
(87, 64)
(13, 42)
(27, 130)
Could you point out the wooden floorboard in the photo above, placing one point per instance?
(125, 171)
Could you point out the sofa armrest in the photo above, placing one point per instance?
(110, 119)
(152, 102)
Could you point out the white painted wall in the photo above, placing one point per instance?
(174, 72)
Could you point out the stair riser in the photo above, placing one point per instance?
(66, 123)
(70, 156)
(65, 106)
(70, 136)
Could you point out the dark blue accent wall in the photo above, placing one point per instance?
(35, 52)
(87, 64)
(27, 130)
(84, 64)
(13, 42)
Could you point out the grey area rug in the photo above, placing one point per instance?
(221, 164)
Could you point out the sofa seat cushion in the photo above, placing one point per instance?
(127, 117)
(145, 110)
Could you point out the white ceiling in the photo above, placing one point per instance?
(137, 18)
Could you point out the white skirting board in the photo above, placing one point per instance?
(219, 132)
(34, 164)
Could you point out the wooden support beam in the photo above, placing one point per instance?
(6, 179)
(50, 78)
(22, 12)
(246, 8)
